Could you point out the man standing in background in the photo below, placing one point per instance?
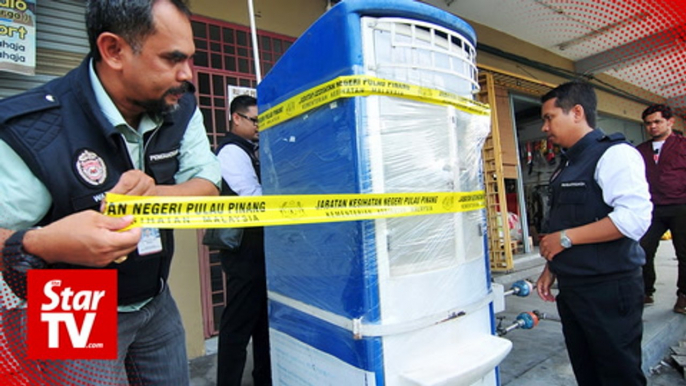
(245, 314)
(665, 160)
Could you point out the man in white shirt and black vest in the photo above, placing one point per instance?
(599, 209)
(245, 315)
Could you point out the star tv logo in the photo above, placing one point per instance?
(72, 314)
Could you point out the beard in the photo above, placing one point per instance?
(160, 106)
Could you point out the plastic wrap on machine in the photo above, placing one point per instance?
(402, 301)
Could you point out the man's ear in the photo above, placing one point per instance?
(671, 121)
(111, 47)
(578, 113)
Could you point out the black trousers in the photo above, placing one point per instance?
(672, 218)
(245, 314)
(602, 326)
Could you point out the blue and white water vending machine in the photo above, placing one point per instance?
(398, 301)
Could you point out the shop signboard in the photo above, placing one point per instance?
(18, 36)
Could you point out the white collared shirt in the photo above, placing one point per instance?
(238, 172)
(620, 173)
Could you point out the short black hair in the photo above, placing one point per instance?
(130, 19)
(575, 93)
(242, 103)
(664, 109)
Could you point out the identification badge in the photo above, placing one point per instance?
(150, 242)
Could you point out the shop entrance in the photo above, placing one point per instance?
(508, 230)
(538, 159)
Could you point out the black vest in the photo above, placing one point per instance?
(577, 199)
(60, 132)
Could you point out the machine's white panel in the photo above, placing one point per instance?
(428, 264)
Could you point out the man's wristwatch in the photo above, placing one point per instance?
(565, 241)
(18, 262)
(15, 257)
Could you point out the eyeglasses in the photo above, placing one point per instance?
(254, 121)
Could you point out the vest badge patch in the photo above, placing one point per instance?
(91, 167)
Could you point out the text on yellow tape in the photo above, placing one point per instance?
(252, 211)
(364, 85)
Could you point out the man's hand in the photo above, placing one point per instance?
(549, 246)
(85, 238)
(135, 183)
(544, 283)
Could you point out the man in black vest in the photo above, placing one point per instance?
(599, 209)
(245, 314)
(124, 121)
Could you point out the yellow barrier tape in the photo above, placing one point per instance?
(364, 85)
(252, 211)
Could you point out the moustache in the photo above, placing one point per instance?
(182, 89)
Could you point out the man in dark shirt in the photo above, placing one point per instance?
(665, 159)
